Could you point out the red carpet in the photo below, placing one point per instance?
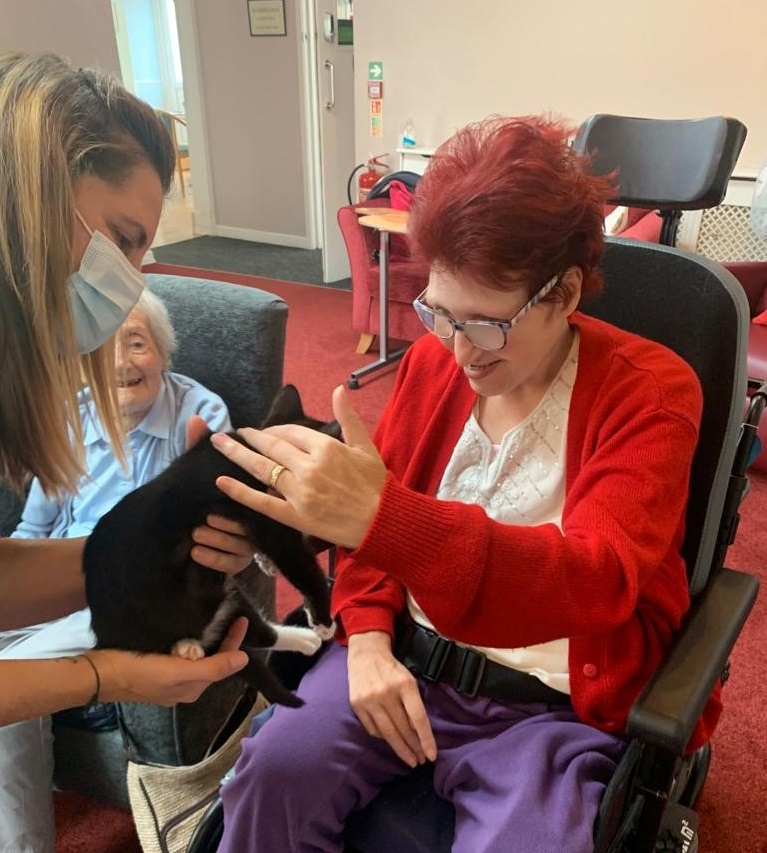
(320, 355)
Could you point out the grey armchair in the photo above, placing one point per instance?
(231, 338)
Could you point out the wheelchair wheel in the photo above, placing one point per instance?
(701, 761)
(209, 830)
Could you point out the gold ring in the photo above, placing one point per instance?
(273, 477)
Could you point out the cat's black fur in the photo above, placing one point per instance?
(145, 591)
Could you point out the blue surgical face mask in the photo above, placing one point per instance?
(102, 292)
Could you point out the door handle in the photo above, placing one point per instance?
(331, 68)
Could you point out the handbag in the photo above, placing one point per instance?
(168, 801)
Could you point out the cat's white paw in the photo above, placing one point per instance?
(324, 632)
(188, 649)
(292, 638)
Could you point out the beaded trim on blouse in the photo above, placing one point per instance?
(521, 480)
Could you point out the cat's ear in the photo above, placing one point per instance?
(286, 408)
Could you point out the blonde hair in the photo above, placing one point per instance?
(56, 125)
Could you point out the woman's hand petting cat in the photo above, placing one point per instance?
(222, 544)
(331, 489)
(167, 679)
(385, 698)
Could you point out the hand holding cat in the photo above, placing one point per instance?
(222, 544)
(331, 489)
(167, 679)
(35, 688)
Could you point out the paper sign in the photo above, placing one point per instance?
(267, 17)
(376, 126)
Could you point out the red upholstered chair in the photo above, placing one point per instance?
(752, 275)
(642, 225)
(406, 279)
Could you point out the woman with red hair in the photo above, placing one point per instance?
(506, 583)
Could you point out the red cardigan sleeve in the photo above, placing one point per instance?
(366, 596)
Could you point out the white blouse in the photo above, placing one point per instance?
(519, 481)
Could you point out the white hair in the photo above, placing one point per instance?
(159, 324)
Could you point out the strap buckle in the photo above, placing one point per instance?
(437, 657)
(471, 672)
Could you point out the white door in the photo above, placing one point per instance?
(335, 76)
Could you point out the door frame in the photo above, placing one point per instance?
(203, 208)
(310, 97)
(204, 218)
(123, 45)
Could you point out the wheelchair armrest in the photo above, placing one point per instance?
(666, 711)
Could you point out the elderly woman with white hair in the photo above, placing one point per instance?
(155, 405)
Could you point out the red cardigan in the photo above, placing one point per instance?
(612, 580)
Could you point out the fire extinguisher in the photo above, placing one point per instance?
(368, 179)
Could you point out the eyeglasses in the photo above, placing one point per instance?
(485, 334)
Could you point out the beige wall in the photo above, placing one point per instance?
(81, 30)
(253, 122)
(447, 63)
(252, 100)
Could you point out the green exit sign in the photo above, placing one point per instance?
(375, 70)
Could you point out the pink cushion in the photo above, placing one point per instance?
(400, 196)
(760, 319)
(647, 228)
(757, 353)
(752, 276)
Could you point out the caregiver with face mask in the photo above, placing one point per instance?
(103, 291)
(84, 166)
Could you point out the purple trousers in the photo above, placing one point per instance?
(523, 778)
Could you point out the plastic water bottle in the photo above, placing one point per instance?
(408, 135)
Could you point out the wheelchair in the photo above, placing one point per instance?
(698, 309)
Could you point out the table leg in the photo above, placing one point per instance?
(385, 358)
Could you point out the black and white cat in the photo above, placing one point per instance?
(147, 594)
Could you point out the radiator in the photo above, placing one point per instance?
(722, 233)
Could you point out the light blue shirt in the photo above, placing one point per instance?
(150, 448)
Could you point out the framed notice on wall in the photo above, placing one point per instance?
(267, 17)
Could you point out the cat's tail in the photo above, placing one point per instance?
(257, 673)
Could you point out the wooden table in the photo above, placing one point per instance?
(386, 221)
